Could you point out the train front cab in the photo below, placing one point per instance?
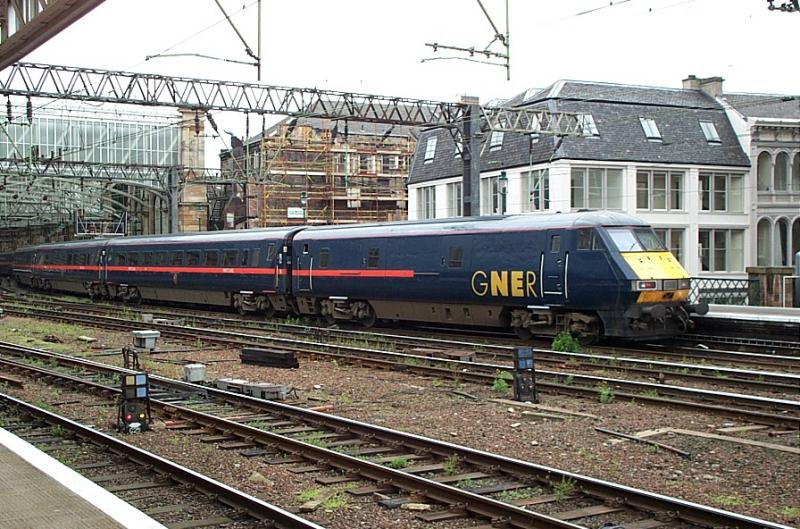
(653, 302)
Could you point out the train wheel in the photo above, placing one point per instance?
(523, 333)
(135, 297)
(370, 319)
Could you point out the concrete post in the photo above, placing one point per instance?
(471, 178)
(192, 203)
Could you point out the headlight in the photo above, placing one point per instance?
(650, 284)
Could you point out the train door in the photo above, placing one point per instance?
(304, 267)
(553, 267)
(102, 267)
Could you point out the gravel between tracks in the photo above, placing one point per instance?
(755, 481)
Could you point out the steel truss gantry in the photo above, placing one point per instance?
(466, 119)
(89, 84)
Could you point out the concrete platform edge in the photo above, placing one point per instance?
(118, 510)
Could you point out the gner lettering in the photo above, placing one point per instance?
(514, 283)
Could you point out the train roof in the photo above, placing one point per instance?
(257, 234)
(522, 222)
(190, 238)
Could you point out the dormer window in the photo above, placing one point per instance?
(496, 140)
(430, 150)
(586, 122)
(710, 132)
(650, 129)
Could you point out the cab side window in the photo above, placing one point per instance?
(584, 239)
(555, 243)
(324, 256)
(270, 252)
(373, 258)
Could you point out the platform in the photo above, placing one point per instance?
(769, 322)
(37, 491)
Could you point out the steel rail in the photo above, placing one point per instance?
(457, 368)
(688, 511)
(255, 507)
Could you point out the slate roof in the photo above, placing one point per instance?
(616, 110)
(772, 106)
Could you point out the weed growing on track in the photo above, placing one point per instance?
(309, 495)
(338, 501)
(604, 393)
(563, 488)
(566, 343)
(397, 463)
(451, 464)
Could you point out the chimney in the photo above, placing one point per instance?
(691, 83)
(712, 86)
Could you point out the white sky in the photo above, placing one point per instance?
(376, 46)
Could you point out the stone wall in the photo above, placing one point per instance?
(770, 284)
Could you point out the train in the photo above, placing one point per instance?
(595, 274)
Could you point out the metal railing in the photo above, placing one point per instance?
(725, 291)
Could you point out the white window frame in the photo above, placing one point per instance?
(710, 132)
(586, 190)
(426, 202)
(710, 193)
(491, 196)
(722, 244)
(671, 177)
(535, 190)
(589, 127)
(430, 149)
(650, 129)
(454, 199)
(496, 140)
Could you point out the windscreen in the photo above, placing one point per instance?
(636, 240)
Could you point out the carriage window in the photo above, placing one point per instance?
(71, 259)
(244, 256)
(163, 258)
(148, 258)
(372, 259)
(305, 248)
(81, 259)
(133, 259)
(230, 258)
(270, 252)
(455, 257)
(323, 257)
(192, 258)
(584, 239)
(177, 258)
(212, 258)
(555, 243)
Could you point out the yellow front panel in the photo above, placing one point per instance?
(657, 296)
(654, 265)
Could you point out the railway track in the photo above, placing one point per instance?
(763, 410)
(169, 493)
(653, 363)
(463, 482)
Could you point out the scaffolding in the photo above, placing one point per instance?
(319, 175)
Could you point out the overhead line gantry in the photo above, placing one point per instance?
(467, 119)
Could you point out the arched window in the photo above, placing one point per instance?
(782, 243)
(781, 172)
(795, 238)
(796, 175)
(764, 243)
(764, 171)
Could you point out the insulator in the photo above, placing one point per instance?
(29, 111)
(8, 110)
(196, 123)
(211, 122)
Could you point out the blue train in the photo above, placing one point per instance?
(593, 274)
